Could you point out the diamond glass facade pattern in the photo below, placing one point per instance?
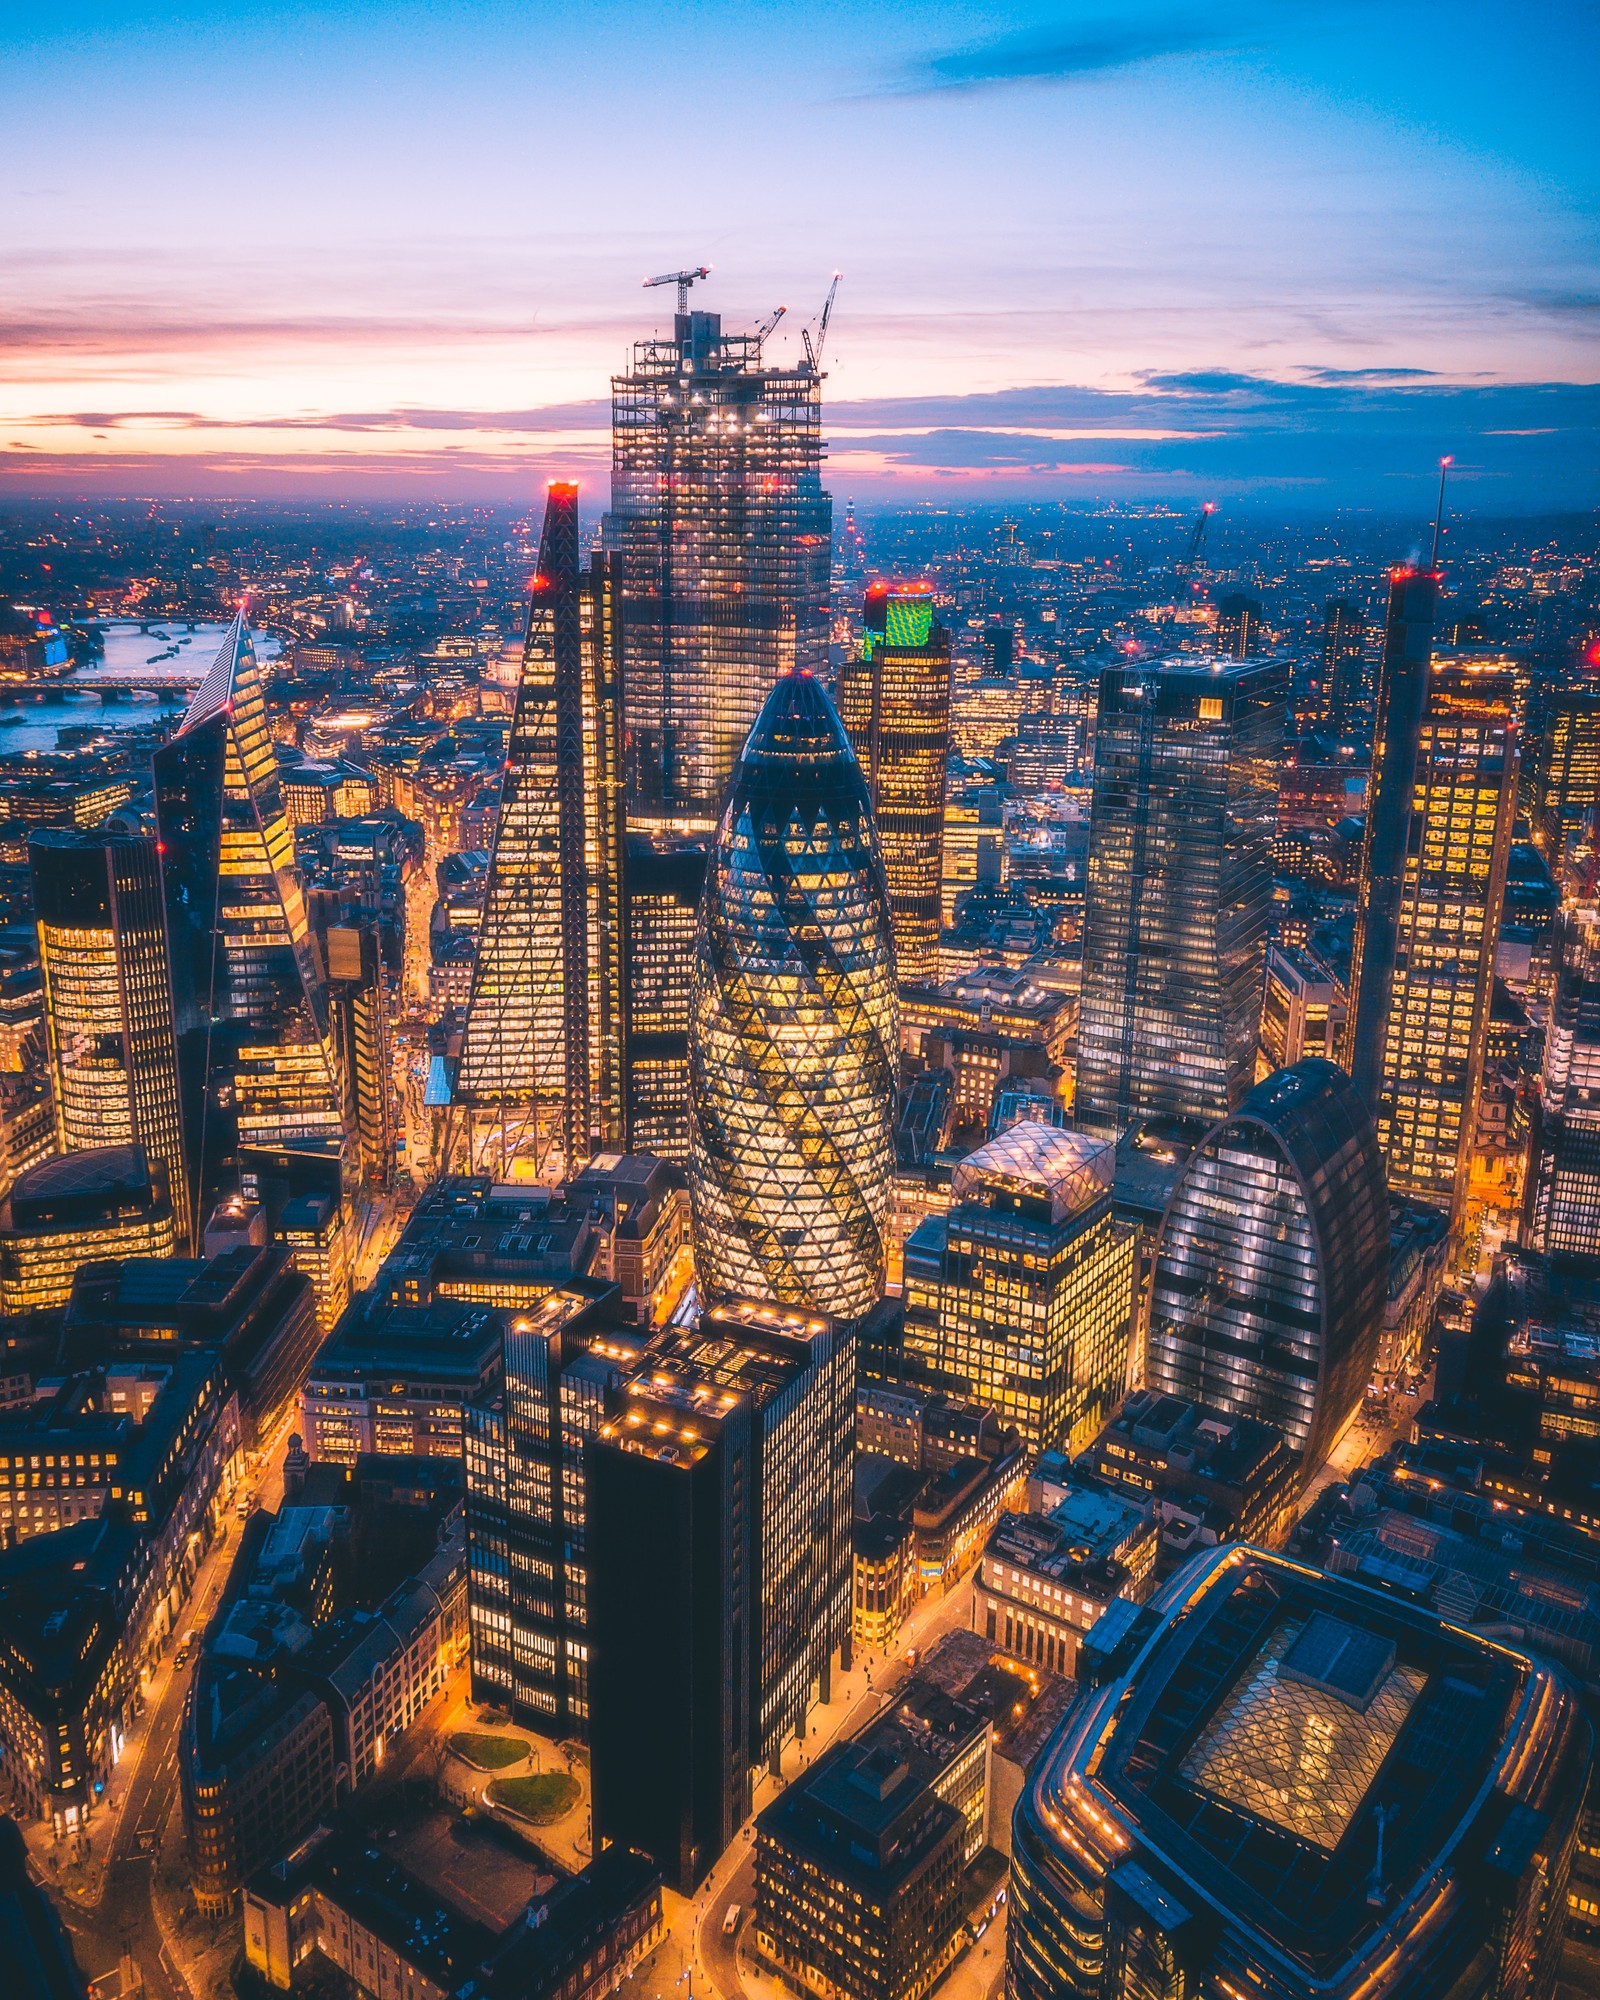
(517, 1050)
(108, 998)
(894, 700)
(1451, 892)
(249, 999)
(1563, 1206)
(794, 1027)
(722, 533)
(1271, 1266)
(1295, 1754)
(1179, 891)
(1022, 1297)
(1284, 1784)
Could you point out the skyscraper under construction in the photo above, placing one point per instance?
(537, 1077)
(721, 531)
(894, 699)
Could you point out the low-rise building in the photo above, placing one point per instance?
(396, 1378)
(859, 1863)
(1045, 1578)
(81, 1208)
(638, 1208)
(337, 1902)
(1213, 1477)
(1419, 1255)
(987, 1026)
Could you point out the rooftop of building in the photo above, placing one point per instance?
(1195, 1439)
(1069, 1170)
(988, 990)
(84, 1187)
(1084, 1534)
(1270, 1720)
(445, 1339)
(1149, 1159)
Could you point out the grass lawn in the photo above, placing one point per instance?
(544, 1798)
(488, 1753)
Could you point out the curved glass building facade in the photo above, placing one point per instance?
(1272, 1263)
(793, 1026)
(1284, 1784)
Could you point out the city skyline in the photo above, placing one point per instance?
(1139, 252)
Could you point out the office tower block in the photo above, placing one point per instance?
(974, 846)
(1272, 1262)
(1563, 1189)
(91, 1207)
(1022, 1296)
(1179, 891)
(1284, 1783)
(108, 998)
(722, 532)
(894, 701)
(794, 1032)
(663, 875)
(1565, 777)
(353, 954)
(1402, 691)
(1448, 922)
(1238, 626)
(719, 1494)
(1344, 635)
(525, 1505)
(249, 998)
(525, 1056)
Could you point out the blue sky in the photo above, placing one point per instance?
(1285, 249)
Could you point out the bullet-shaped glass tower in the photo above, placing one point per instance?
(793, 1027)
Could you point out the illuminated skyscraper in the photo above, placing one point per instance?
(538, 1071)
(1179, 891)
(1344, 633)
(1272, 1262)
(894, 699)
(108, 998)
(1565, 788)
(718, 1555)
(662, 879)
(1238, 626)
(722, 534)
(1402, 690)
(1452, 888)
(793, 1035)
(1022, 1296)
(249, 997)
(1563, 1197)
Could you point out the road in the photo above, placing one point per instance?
(694, 1952)
(116, 1913)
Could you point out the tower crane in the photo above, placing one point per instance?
(1197, 540)
(769, 323)
(682, 279)
(814, 350)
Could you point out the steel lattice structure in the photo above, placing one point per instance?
(794, 1027)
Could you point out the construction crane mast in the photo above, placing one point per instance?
(1197, 541)
(682, 279)
(814, 348)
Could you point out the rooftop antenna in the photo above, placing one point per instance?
(1438, 519)
(683, 280)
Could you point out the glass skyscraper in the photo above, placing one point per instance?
(794, 1031)
(894, 699)
(526, 1056)
(1565, 779)
(1451, 891)
(249, 998)
(1179, 890)
(1563, 1198)
(108, 999)
(1022, 1296)
(721, 532)
(1272, 1262)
